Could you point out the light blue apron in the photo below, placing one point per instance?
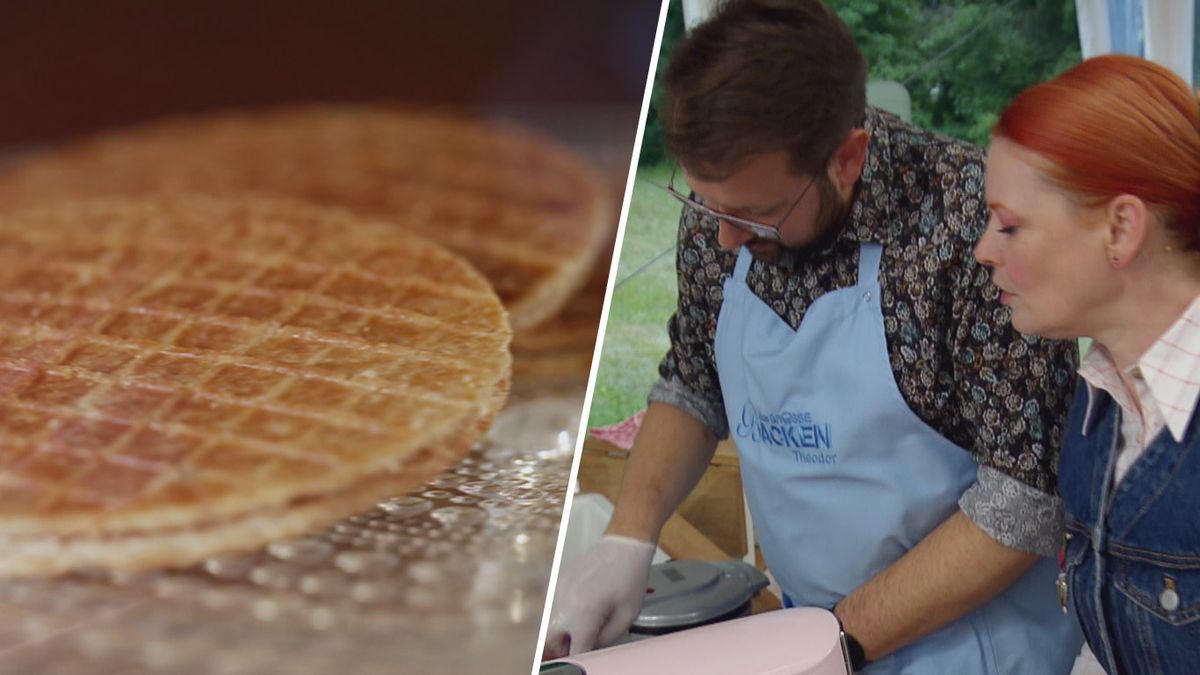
(843, 478)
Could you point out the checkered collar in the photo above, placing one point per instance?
(1170, 368)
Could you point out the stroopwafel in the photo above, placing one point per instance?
(186, 376)
(526, 212)
(560, 350)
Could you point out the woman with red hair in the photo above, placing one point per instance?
(1093, 180)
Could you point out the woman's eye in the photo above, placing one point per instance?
(1003, 225)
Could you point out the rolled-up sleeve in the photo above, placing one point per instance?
(1013, 513)
(677, 394)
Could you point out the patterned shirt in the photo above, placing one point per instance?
(955, 357)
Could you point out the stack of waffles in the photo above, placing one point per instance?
(222, 330)
(559, 351)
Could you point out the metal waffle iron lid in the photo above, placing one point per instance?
(685, 593)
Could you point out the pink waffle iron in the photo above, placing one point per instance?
(798, 641)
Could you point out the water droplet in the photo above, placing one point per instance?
(447, 481)
(458, 516)
(383, 539)
(406, 506)
(365, 562)
(425, 572)
(230, 567)
(306, 552)
(324, 583)
(265, 609)
(275, 576)
(374, 592)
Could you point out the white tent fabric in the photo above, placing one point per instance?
(1110, 27)
(1160, 30)
(1095, 36)
(695, 11)
(1170, 35)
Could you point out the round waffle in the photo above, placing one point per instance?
(184, 376)
(561, 349)
(527, 213)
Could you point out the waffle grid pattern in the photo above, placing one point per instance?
(169, 374)
(527, 213)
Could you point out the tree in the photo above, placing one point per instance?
(652, 147)
(961, 60)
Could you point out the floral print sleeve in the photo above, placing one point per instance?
(689, 371)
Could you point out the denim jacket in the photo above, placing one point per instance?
(1132, 554)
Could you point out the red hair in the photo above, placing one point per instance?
(1117, 125)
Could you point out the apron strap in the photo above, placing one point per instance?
(743, 264)
(869, 256)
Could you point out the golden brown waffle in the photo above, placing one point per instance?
(190, 375)
(527, 213)
(562, 348)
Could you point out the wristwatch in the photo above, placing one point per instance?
(856, 657)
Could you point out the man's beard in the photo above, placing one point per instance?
(828, 225)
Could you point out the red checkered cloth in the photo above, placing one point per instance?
(622, 433)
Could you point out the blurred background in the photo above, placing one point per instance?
(69, 67)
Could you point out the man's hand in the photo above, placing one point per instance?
(598, 596)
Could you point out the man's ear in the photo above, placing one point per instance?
(1127, 224)
(848, 160)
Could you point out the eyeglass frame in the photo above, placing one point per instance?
(757, 229)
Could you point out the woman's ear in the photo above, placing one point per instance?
(1127, 227)
(848, 160)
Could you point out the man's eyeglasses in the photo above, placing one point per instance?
(755, 228)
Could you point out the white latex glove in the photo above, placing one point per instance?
(598, 596)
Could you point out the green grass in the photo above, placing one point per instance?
(635, 338)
